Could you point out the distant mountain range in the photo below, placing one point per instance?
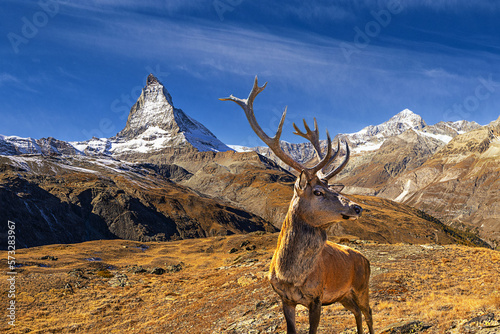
(166, 176)
(406, 125)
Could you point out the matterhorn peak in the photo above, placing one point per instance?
(152, 80)
(154, 123)
(155, 91)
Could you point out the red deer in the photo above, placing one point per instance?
(306, 268)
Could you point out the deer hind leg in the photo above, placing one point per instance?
(351, 304)
(289, 312)
(368, 318)
(364, 305)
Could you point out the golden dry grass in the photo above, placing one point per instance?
(221, 292)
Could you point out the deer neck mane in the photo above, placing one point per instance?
(299, 249)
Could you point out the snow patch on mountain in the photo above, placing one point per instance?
(444, 138)
(367, 147)
(10, 145)
(239, 148)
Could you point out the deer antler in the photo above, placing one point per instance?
(274, 142)
(313, 137)
(337, 170)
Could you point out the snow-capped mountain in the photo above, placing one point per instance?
(373, 136)
(14, 145)
(154, 124)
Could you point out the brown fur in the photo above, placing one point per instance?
(307, 269)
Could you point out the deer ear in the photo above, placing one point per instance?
(302, 181)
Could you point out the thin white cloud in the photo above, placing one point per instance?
(453, 5)
(208, 45)
(9, 80)
(6, 79)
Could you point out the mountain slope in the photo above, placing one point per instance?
(396, 155)
(460, 183)
(74, 199)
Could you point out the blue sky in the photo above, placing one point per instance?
(73, 70)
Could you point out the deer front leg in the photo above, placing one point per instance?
(289, 311)
(314, 315)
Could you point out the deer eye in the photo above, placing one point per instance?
(317, 193)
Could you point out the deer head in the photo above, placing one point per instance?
(315, 201)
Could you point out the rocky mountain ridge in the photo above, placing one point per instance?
(448, 169)
(372, 137)
(56, 199)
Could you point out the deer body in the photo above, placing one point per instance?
(329, 271)
(307, 269)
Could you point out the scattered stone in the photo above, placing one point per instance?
(137, 269)
(78, 273)
(483, 321)
(259, 305)
(406, 327)
(250, 248)
(233, 250)
(120, 280)
(157, 271)
(244, 243)
(49, 257)
(69, 288)
(247, 279)
(175, 268)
